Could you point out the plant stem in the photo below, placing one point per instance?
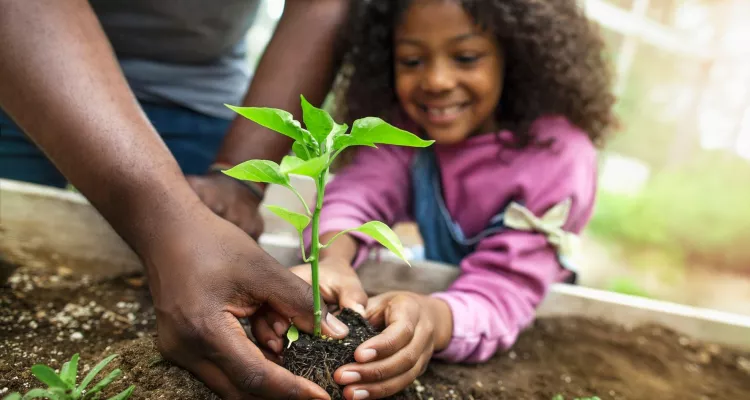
(315, 250)
(299, 196)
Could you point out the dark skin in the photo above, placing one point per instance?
(289, 66)
(63, 87)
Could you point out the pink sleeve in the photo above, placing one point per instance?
(375, 186)
(508, 275)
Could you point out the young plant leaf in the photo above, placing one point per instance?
(13, 396)
(103, 383)
(343, 141)
(385, 236)
(297, 220)
(317, 121)
(69, 371)
(338, 131)
(371, 130)
(276, 120)
(303, 151)
(41, 394)
(48, 376)
(297, 166)
(124, 394)
(92, 374)
(292, 335)
(258, 171)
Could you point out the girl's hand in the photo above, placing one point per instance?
(339, 284)
(416, 326)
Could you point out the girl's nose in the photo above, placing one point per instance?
(438, 77)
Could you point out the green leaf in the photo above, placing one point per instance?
(69, 371)
(276, 120)
(103, 383)
(297, 220)
(92, 374)
(48, 376)
(292, 334)
(258, 171)
(338, 131)
(371, 130)
(384, 235)
(317, 121)
(124, 394)
(13, 396)
(40, 394)
(345, 141)
(303, 151)
(297, 166)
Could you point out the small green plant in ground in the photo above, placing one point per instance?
(315, 148)
(62, 386)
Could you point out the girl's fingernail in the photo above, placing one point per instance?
(368, 355)
(336, 325)
(350, 377)
(279, 328)
(361, 394)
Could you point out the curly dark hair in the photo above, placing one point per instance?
(554, 64)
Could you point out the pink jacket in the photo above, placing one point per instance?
(508, 275)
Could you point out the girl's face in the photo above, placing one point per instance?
(449, 73)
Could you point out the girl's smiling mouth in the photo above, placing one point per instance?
(443, 114)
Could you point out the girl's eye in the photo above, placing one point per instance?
(467, 58)
(410, 62)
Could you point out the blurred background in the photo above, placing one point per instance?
(673, 217)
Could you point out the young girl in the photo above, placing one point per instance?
(515, 93)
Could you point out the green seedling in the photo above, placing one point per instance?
(62, 386)
(316, 146)
(292, 335)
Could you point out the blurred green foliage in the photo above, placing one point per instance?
(697, 215)
(627, 286)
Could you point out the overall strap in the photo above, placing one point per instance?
(441, 235)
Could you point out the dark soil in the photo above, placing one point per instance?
(48, 313)
(317, 359)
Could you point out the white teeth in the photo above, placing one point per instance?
(444, 111)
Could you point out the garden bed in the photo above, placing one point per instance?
(49, 311)
(83, 291)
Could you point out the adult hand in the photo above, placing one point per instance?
(339, 284)
(203, 281)
(231, 200)
(416, 325)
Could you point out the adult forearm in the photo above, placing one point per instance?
(63, 87)
(300, 59)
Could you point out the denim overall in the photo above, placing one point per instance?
(444, 240)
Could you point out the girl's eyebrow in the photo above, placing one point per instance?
(417, 42)
(463, 37)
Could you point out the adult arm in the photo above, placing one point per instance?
(301, 58)
(62, 85)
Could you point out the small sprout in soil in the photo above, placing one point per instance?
(316, 147)
(292, 334)
(62, 386)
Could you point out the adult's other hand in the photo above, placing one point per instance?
(231, 200)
